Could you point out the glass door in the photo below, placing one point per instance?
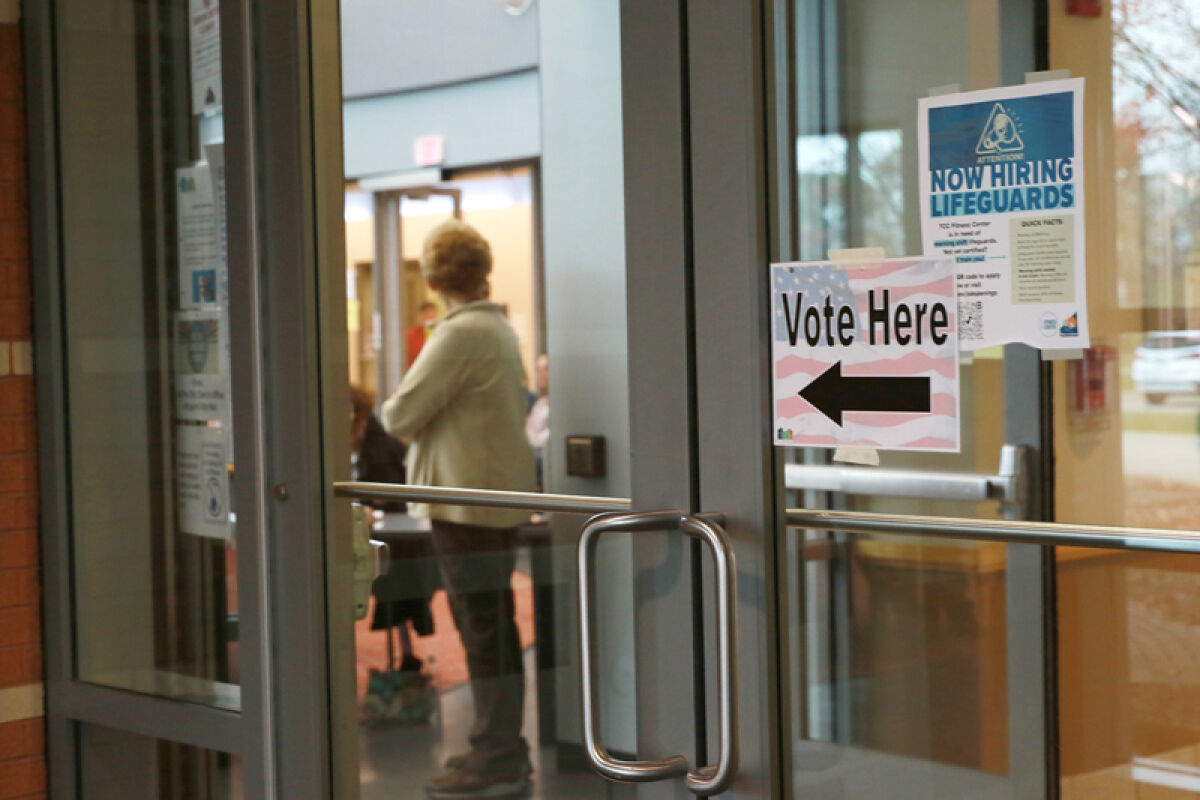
(739, 143)
(801, 122)
(530, 300)
(900, 629)
(182, 518)
(930, 642)
(919, 665)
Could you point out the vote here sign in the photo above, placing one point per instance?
(866, 354)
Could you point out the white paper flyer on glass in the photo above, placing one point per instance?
(865, 355)
(202, 481)
(198, 242)
(215, 155)
(1001, 177)
(201, 372)
(204, 38)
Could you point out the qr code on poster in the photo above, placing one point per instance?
(970, 320)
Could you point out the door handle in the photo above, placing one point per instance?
(715, 778)
(705, 780)
(1010, 484)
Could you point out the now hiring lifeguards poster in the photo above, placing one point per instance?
(1001, 179)
(865, 354)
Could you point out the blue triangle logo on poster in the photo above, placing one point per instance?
(1000, 134)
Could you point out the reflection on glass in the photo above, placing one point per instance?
(1127, 443)
(905, 646)
(116, 765)
(147, 344)
(832, 175)
(899, 652)
(821, 177)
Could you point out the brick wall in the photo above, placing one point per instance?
(22, 739)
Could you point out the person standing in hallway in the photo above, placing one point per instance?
(462, 408)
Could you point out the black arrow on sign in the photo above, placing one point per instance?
(831, 394)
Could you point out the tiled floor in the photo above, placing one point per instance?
(396, 761)
(445, 661)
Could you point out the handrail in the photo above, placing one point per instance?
(1155, 540)
(526, 501)
(1044, 533)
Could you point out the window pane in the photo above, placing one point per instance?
(507, 116)
(117, 765)
(145, 291)
(898, 646)
(1126, 414)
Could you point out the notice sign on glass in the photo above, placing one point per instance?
(201, 373)
(202, 481)
(204, 38)
(866, 354)
(200, 267)
(1001, 177)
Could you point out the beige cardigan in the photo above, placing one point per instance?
(462, 407)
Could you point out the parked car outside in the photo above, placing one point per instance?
(1167, 362)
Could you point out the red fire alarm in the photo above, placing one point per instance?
(1084, 8)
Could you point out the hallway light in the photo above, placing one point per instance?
(516, 7)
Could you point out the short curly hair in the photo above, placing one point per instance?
(457, 258)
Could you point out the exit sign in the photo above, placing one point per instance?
(429, 151)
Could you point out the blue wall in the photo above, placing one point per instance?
(394, 46)
(484, 121)
(465, 69)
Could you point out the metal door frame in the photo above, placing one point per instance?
(670, 664)
(731, 87)
(71, 702)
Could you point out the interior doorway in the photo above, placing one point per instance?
(390, 307)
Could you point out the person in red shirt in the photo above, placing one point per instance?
(416, 335)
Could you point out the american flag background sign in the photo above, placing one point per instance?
(866, 354)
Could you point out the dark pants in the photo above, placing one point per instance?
(477, 565)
